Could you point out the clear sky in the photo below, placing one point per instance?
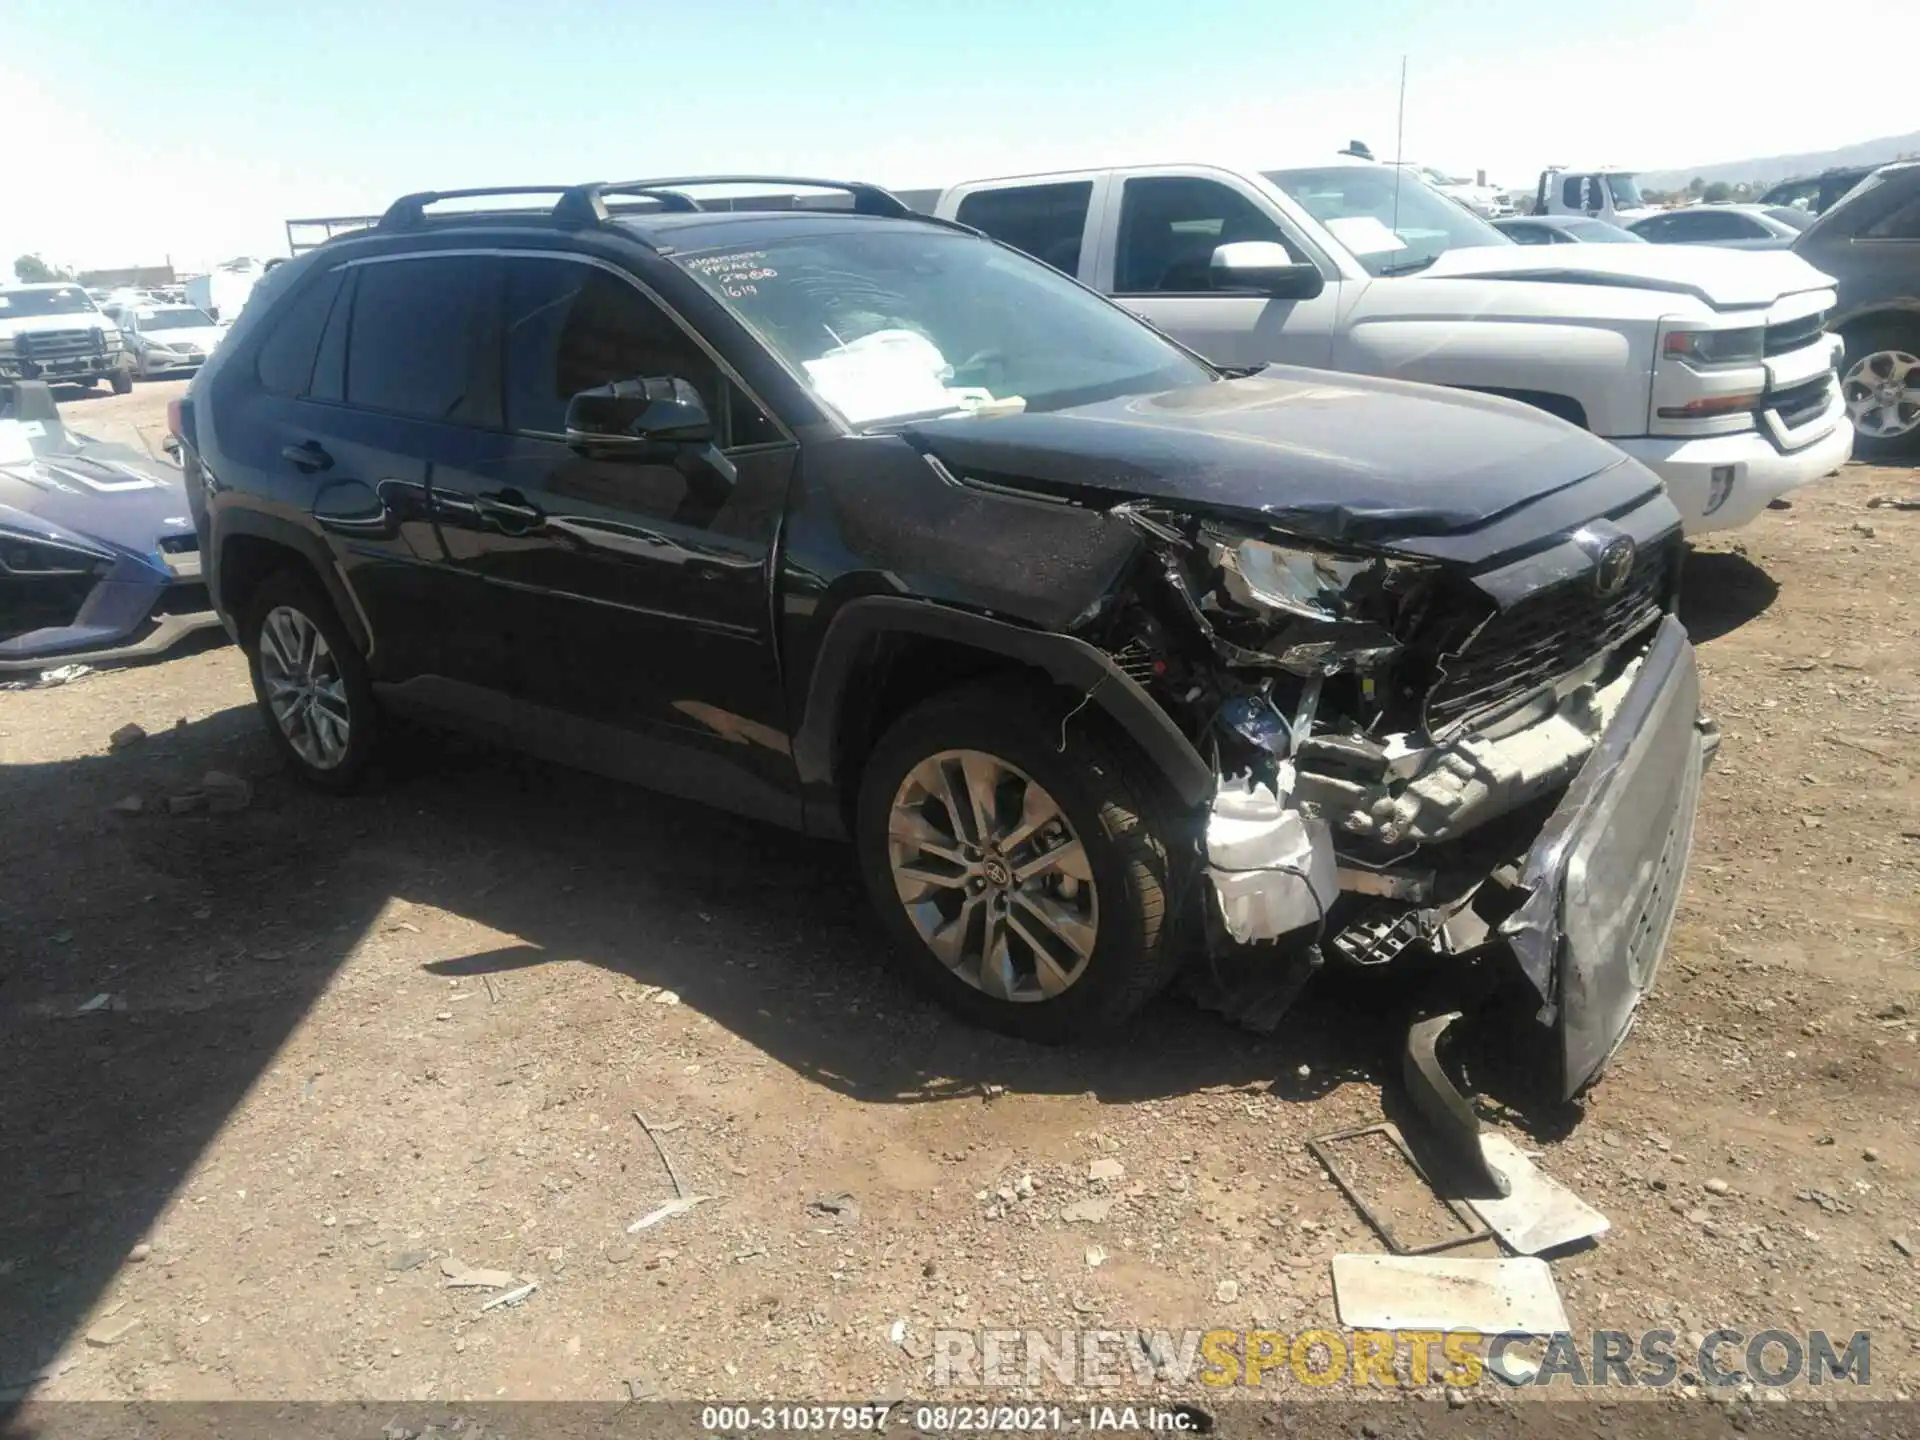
(193, 128)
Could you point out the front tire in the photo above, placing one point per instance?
(122, 381)
(310, 681)
(1024, 887)
(1881, 385)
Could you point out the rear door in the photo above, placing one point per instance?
(632, 595)
(401, 386)
(286, 429)
(1159, 266)
(1056, 223)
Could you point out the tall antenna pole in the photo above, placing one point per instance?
(1399, 141)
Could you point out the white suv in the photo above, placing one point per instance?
(1714, 368)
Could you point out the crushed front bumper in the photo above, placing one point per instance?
(1603, 880)
(1602, 884)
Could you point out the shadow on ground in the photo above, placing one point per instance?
(1721, 591)
(211, 936)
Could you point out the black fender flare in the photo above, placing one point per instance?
(232, 523)
(1876, 313)
(1075, 664)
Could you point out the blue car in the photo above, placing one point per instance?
(98, 557)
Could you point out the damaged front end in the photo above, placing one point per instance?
(99, 561)
(1494, 769)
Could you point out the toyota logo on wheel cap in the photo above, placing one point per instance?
(1613, 555)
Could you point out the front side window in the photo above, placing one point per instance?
(571, 327)
(415, 322)
(1170, 226)
(1392, 224)
(1625, 191)
(1528, 234)
(1046, 221)
(885, 324)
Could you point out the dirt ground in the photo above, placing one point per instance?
(350, 1045)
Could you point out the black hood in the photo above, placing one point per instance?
(1324, 456)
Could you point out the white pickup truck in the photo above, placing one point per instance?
(1712, 367)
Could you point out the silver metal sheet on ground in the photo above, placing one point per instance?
(1423, 1292)
(1539, 1213)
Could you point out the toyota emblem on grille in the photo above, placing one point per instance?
(1613, 565)
(1613, 555)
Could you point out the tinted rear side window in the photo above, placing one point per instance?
(1046, 221)
(285, 363)
(415, 323)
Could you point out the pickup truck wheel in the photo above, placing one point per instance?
(310, 681)
(1881, 384)
(122, 382)
(1024, 887)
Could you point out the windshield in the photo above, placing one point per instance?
(1392, 228)
(1625, 191)
(184, 318)
(888, 324)
(1599, 232)
(67, 300)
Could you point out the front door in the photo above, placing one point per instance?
(633, 593)
(1162, 269)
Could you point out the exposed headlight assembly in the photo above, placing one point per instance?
(34, 558)
(1335, 610)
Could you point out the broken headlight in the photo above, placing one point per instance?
(36, 558)
(1334, 612)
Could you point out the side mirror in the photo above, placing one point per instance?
(658, 418)
(637, 414)
(1263, 267)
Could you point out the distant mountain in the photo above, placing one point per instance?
(1772, 169)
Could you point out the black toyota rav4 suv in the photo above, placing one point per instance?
(867, 525)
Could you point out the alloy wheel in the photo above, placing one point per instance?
(305, 690)
(1883, 393)
(993, 876)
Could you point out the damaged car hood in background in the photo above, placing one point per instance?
(108, 494)
(1323, 456)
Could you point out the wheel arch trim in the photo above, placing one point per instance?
(250, 524)
(1071, 662)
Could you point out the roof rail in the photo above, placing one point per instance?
(867, 199)
(585, 205)
(410, 210)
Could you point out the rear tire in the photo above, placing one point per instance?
(1080, 943)
(310, 681)
(1880, 354)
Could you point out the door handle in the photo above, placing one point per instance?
(510, 508)
(307, 457)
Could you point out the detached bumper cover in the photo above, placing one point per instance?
(1605, 876)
